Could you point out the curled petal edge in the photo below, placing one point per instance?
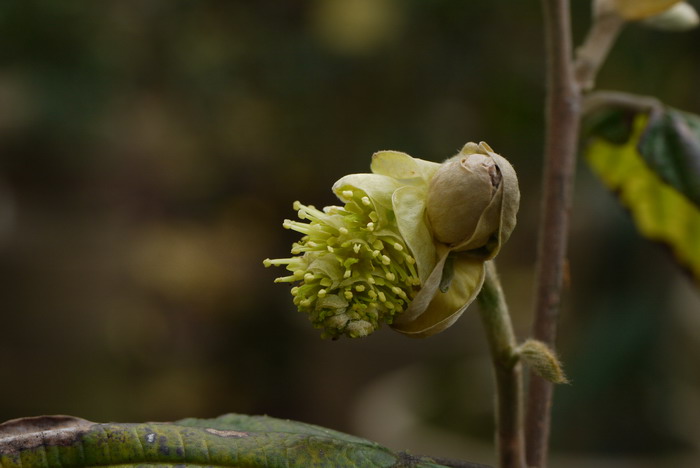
(409, 206)
(378, 188)
(433, 311)
(403, 167)
(633, 10)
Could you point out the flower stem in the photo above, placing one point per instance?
(508, 372)
(595, 49)
(562, 116)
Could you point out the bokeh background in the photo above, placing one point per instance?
(150, 149)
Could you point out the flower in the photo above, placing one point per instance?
(471, 206)
(680, 17)
(670, 15)
(391, 254)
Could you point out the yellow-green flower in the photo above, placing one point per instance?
(671, 15)
(471, 206)
(377, 258)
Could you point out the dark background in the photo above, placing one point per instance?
(150, 149)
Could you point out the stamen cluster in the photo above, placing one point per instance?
(351, 269)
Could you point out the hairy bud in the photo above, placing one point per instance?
(543, 361)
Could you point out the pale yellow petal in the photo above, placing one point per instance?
(402, 166)
(680, 17)
(633, 10)
(425, 295)
(379, 188)
(445, 308)
(409, 207)
(502, 209)
(511, 200)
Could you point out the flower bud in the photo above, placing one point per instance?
(680, 17)
(633, 10)
(543, 361)
(467, 198)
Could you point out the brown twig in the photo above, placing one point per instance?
(507, 370)
(562, 113)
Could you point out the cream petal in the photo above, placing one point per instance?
(458, 198)
(487, 225)
(445, 308)
(378, 188)
(471, 148)
(409, 207)
(402, 166)
(507, 199)
(680, 17)
(419, 304)
(633, 10)
(511, 199)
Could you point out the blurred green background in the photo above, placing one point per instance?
(150, 149)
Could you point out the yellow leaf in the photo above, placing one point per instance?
(660, 212)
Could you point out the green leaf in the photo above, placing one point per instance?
(228, 441)
(610, 123)
(670, 146)
(653, 187)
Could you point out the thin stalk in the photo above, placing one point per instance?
(508, 372)
(562, 116)
(602, 99)
(596, 47)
